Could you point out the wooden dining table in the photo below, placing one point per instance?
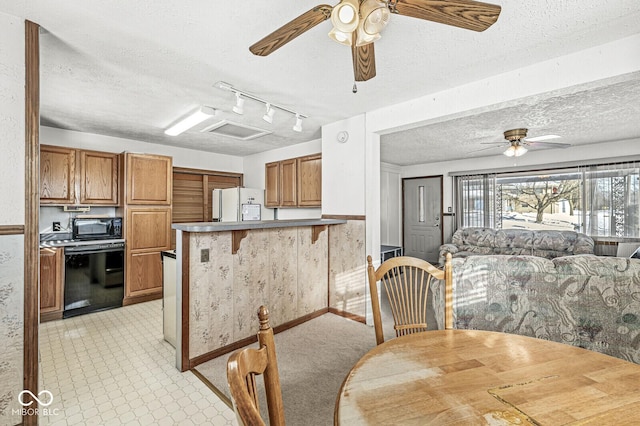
(470, 377)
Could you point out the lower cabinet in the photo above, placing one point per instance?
(51, 283)
(148, 232)
(145, 274)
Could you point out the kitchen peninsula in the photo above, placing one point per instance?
(227, 270)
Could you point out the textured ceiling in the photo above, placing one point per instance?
(131, 68)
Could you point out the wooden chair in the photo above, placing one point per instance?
(406, 282)
(242, 369)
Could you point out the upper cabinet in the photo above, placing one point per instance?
(295, 182)
(310, 181)
(73, 176)
(57, 175)
(288, 183)
(272, 184)
(148, 179)
(98, 177)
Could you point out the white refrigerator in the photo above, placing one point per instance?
(238, 204)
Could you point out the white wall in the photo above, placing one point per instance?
(254, 173)
(181, 157)
(343, 168)
(12, 191)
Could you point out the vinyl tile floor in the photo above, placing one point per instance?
(114, 368)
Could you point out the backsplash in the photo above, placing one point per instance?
(48, 215)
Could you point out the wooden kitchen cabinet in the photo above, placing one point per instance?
(288, 183)
(272, 184)
(57, 175)
(310, 181)
(51, 283)
(99, 177)
(295, 182)
(72, 176)
(148, 179)
(147, 232)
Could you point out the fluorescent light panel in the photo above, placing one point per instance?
(191, 120)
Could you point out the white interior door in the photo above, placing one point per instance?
(422, 217)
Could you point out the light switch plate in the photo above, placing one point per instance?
(204, 255)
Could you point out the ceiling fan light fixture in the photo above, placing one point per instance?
(515, 150)
(239, 107)
(344, 16)
(191, 120)
(363, 38)
(375, 16)
(341, 37)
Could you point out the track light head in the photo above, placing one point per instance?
(239, 107)
(268, 116)
(298, 126)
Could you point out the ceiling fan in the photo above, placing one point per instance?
(518, 143)
(358, 23)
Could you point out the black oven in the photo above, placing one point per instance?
(94, 277)
(100, 228)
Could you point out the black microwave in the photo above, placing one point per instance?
(99, 228)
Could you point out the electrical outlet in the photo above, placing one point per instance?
(204, 255)
(56, 226)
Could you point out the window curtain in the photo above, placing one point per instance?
(611, 199)
(475, 201)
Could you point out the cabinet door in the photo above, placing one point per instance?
(272, 184)
(148, 228)
(148, 179)
(98, 178)
(288, 183)
(310, 181)
(51, 279)
(57, 175)
(144, 274)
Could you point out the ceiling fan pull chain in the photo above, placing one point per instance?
(355, 88)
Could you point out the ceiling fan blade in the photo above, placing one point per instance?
(547, 144)
(291, 30)
(467, 14)
(487, 149)
(364, 62)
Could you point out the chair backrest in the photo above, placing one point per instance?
(406, 282)
(242, 369)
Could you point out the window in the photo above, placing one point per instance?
(599, 200)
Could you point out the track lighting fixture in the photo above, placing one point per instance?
(239, 108)
(298, 126)
(268, 116)
(191, 120)
(270, 106)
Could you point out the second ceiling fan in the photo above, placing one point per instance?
(358, 23)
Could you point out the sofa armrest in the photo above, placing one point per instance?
(444, 249)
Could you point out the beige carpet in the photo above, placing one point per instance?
(313, 360)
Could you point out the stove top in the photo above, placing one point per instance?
(64, 239)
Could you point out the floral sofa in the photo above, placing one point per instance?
(543, 243)
(583, 300)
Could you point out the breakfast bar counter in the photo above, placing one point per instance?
(227, 269)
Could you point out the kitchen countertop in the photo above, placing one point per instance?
(258, 224)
